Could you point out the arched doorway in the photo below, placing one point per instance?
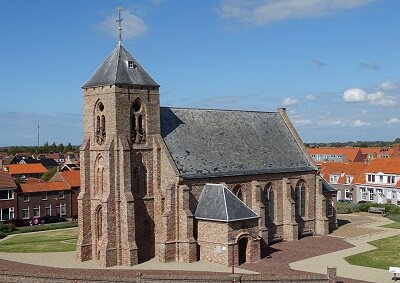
(242, 246)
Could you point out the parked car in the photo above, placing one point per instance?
(46, 220)
(18, 222)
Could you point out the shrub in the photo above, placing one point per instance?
(46, 227)
(2, 235)
(7, 228)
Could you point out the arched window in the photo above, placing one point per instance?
(237, 191)
(99, 222)
(100, 125)
(139, 175)
(138, 132)
(300, 199)
(269, 201)
(99, 175)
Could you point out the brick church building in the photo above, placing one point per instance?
(188, 184)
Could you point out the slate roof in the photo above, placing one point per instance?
(326, 187)
(215, 143)
(218, 203)
(115, 70)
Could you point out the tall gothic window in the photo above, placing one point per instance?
(99, 176)
(100, 129)
(269, 200)
(237, 191)
(138, 133)
(300, 199)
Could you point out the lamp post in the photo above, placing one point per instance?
(235, 277)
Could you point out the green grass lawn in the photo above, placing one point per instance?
(394, 217)
(49, 241)
(385, 256)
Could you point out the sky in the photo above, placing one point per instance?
(334, 64)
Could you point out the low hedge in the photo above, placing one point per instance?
(45, 227)
(7, 228)
(345, 207)
(2, 235)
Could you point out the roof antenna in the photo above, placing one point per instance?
(119, 23)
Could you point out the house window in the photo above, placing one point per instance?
(381, 178)
(25, 213)
(391, 179)
(26, 197)
(333, 178)
(6, 194)
(330, 209)
(63, 209)
(44, 196)
(371, 194)
(6, 213)
(364, 193)
(347, 194)
(61, 194)
(349, 179)
(47, 210)
(36, 211)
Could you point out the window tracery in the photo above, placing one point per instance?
(138, 133)
(100, 124)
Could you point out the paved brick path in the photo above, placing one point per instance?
(283, 255)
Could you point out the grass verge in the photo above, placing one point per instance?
(396, 224)
(385, 256)
(49, 241)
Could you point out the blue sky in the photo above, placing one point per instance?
(335, 64)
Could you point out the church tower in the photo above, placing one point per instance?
(119, 166)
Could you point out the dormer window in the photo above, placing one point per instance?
(131, 65)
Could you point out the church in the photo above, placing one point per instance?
(180, 184)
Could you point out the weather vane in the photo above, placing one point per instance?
(119, 23)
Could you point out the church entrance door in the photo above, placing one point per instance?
(242, 250)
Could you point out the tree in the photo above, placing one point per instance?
(49, 174)
(68, 147)
(60, 148)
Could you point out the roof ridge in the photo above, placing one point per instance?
(219, 109)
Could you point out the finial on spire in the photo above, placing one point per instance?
(119, 23)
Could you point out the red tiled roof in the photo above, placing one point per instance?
(349, 152)
(377, 150)
(44, 187)
(6, 181)
(385, 165)
(356, 169)
(73, 178)
(15, 169)
(33, 180)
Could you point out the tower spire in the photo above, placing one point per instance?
(119, 23)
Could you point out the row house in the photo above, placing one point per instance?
(371, 153)
(377, 181)
(336, 154)
(60, 157)
(25, 171)
(48, 163)
(8, 201)
(58, 197)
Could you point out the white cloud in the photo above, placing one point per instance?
(289, 101)
(354, 95)
(364, 111)
(132, 25)
(311, 97)
(360, 123)
(388, 86)
(393, 120)
(259, 12)
(378, 98)
(302, 122)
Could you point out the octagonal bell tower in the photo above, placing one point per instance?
(121, 110)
